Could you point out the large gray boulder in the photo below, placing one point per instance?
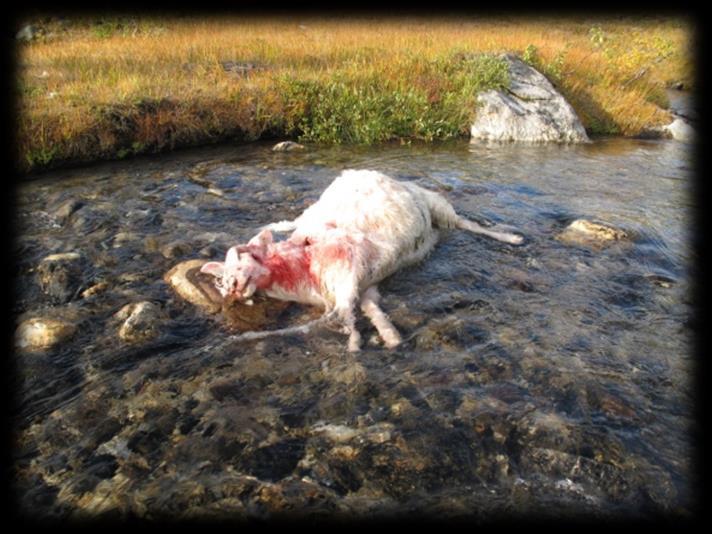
(531, 110)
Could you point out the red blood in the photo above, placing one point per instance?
(289, 271)
(333, 253)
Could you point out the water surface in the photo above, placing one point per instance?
(545, 379)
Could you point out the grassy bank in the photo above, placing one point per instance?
(102, 88)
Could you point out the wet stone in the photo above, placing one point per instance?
(141, 320)
(195, 287)
(176, 249)
(60, 276)
(451, 332)
(94, 290)
(41, 333)
(591, 234)
(287, 146)
(274, 462)
(66, 210)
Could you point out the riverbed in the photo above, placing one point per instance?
(551, 379)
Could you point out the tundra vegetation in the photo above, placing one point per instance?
(94, 87)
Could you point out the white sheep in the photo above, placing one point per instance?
(364, 227)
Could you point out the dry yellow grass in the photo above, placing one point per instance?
(133, 85)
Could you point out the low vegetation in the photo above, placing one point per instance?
(96, 88)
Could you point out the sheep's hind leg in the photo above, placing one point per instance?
(370, 308)
(345, 303)
(348, 318)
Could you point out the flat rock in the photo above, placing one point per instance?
(287, 146)
(40, 333)
(532, 110)
(199, 289)
(584, 232)
(195, 287)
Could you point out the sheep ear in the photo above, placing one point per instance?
(232, 259)
(214, 268)
(257, 246)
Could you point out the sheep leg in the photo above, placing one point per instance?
(344, 304)
(370, 308)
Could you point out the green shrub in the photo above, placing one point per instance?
(436, 101)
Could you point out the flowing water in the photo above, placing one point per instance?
(549, 379)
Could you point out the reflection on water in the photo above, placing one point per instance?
(549, 379)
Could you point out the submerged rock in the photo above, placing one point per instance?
(531, 110)
(583, 232)
(176, 249)
(65, 210)
(287, 146)
(40, 333)
(140, 320)
(61, 275)
(255, 314)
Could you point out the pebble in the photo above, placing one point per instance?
(94, 290)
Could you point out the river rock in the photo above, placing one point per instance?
(531, 110)
(175, 249)
(584, 232)
(66, 209)
(199, 289)
(195, 287)
(287, 146)
(61, 275)
(680, 130)
(140, 320)
(40, 333)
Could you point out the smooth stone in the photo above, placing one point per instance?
(287, 146)
(195, 287)
(40, 333)
(584, 232)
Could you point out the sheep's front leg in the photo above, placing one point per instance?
(370, 308)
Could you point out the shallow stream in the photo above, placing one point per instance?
(552, 378)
